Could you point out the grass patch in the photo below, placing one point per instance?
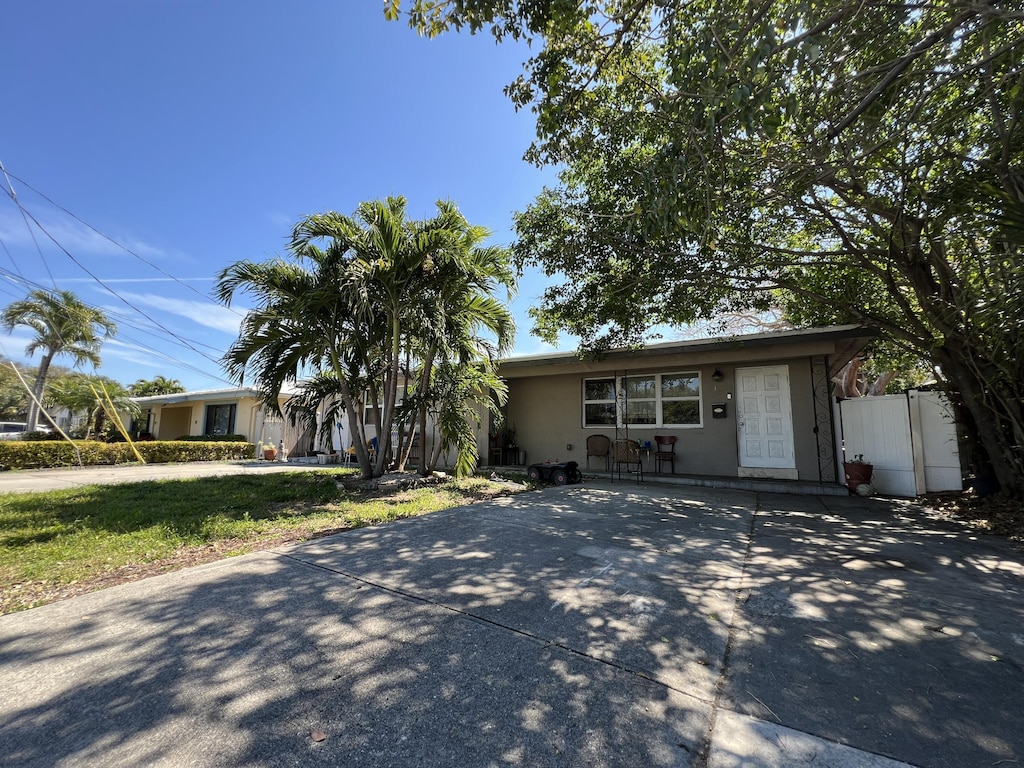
(61, 543)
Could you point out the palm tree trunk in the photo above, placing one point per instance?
(428, 364)
(31, 421)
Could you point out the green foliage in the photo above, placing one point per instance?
(18, 454)
(364, 301)
(156, 386)
(855, 161)
(40, 435)
(92, 395)
(63, 325)
(214, 438)
(13, 396)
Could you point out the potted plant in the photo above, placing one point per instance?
(269, 451)
(858, 473)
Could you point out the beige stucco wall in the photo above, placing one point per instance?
(547, 413)
(173, 421)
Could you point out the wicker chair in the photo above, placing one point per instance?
(600, 446)
(627, 452)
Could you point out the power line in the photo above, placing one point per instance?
(24, 217)
(113, 292)
(121, 318)
(10, 258)
(154, 326)
(111, 240)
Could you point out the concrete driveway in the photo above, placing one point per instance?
(594, 625)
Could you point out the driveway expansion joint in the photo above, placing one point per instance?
(543, 641)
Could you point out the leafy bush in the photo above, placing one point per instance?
(40, 435)
(18, 454)
(213, 438)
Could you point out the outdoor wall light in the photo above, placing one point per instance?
(717, 375)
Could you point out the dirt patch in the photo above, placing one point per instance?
(992, 514)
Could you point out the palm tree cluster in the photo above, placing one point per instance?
(160, 385)
(63, 325)
(372, 303)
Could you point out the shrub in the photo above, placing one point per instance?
(214, 438)
(18, 454)
(40, 435)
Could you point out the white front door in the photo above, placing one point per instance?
(764, 421)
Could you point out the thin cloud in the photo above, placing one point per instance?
(73, 236)
(205, 313)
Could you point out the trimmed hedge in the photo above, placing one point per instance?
(18, 454)
(214, 438)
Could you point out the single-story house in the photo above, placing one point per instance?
(757, 405)
(231, 411)
(239, 411)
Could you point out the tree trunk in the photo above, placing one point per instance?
(32, 419)
(428, 368)
(984, 400)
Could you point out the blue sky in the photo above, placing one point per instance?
(195, 134)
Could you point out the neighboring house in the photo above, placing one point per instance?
(756, 405)
(238, 411)
(234, 411)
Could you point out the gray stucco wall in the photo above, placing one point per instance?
(547, 413)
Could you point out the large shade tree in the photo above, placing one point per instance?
(62, 325)
(851, 161)
(361, 304)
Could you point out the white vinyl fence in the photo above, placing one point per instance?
(910, 439)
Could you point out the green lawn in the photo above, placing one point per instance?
(60, 543)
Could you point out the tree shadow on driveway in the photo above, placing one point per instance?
(577, 626)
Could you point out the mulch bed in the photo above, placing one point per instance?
(992, 514)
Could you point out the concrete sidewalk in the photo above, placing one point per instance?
(38, 480)
(591, 625)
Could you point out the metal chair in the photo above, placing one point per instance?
(600, 446)
(628, 452)
(666, 452)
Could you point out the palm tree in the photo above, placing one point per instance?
(463, 329)
(350, 320)
(79, 392)
(157, 386)
(63, 325)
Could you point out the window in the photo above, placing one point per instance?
(651, 400)
(143, 422)
(680, 399)
(640, 400)
(599, 402)
(220, 419)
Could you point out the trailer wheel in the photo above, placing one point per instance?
(560, 477)
(534, 474)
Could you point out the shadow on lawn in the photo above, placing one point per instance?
(573, 627)
(183, 507)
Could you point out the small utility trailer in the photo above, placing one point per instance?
(559, 473)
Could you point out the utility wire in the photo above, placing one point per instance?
(122, 319)
(113, 292)
(10, 258)
(24, 216)
(109, 239)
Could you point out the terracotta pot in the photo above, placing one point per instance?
(857, 474)
(270, 454)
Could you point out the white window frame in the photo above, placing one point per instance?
(602, 401)
(659, 400)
